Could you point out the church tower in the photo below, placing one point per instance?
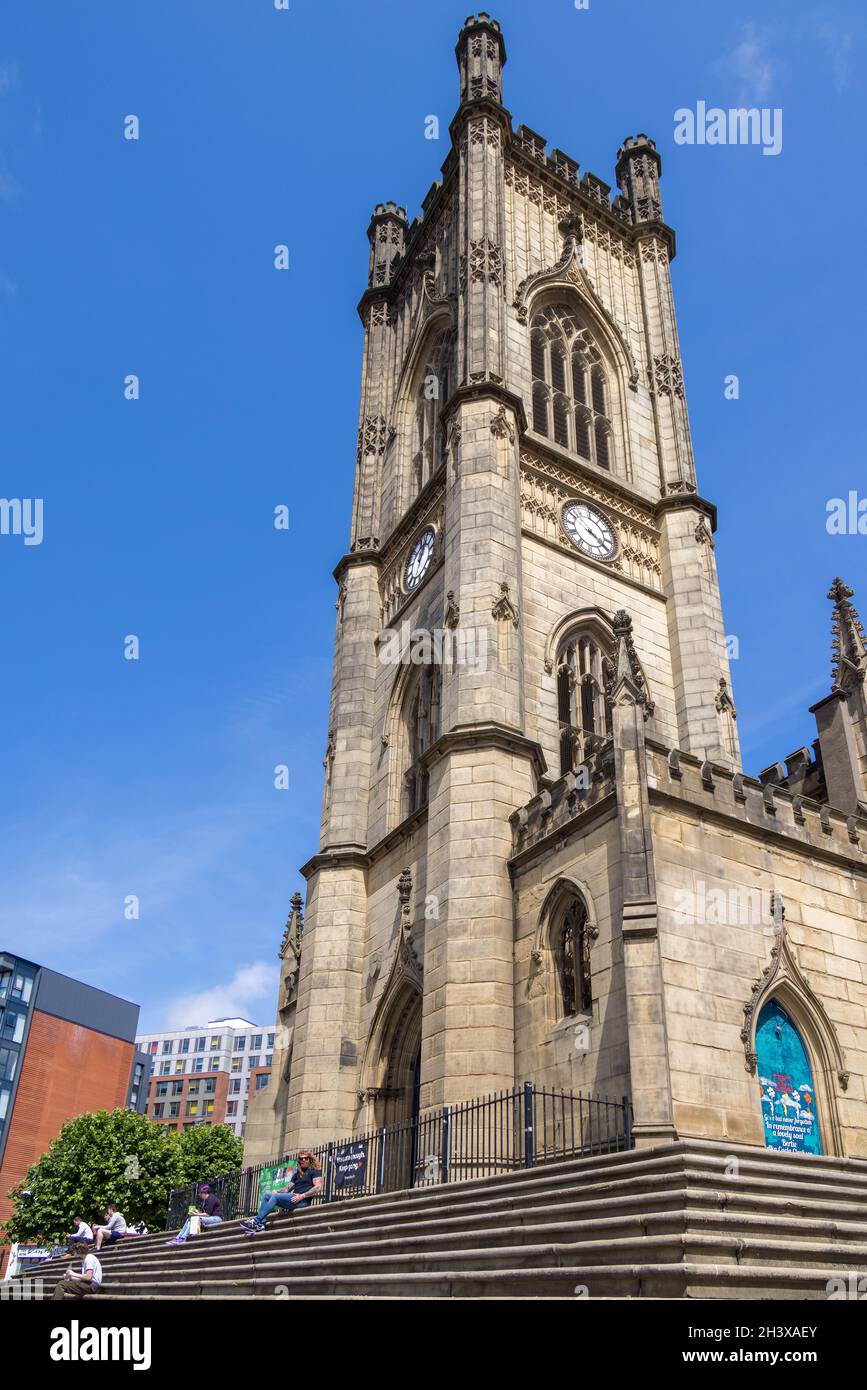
(532, 772)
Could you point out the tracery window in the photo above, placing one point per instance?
(582, 709)
(571, 943)
(422, 716)
(434, 384)
(571, 394)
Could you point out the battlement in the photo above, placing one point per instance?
(533, 146)
(559, 806)
(764, 805)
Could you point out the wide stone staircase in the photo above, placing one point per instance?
(685, 1220)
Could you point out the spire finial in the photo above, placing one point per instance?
(848, 649)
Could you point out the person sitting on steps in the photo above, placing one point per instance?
(78, 1283)
(114, 1229)
(210, 1213)
(306, 1185)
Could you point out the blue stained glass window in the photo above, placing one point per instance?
(785, 1078)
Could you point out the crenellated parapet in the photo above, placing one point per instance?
(762, 806)
(566, 805)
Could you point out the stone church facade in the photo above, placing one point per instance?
(539, 856)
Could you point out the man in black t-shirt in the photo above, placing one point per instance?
(306, 1185)
(210, 1210)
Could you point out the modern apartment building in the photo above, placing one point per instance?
(206, 1074)
(65, 1049)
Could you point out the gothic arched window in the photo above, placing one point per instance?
(422, 727)
(432, 392)
(571, 945)
(582, 709)
(571, 395)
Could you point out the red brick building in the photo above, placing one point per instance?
(65, 1049)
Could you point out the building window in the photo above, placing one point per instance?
(232, 1107)
(236, 1064)
(22, 988)
(268, 1058)
(162, 1088)
(236, 1088)
(13, 1024)
(180, 1068)
(165, 1068)
(174, 1108)
(8, 1063)
(167, 1046)
(216, 1043)
(153, 1048)
(570, 385)
(252, 1062)
(422, 724)
(209, 1107)
(431, 395)
(200, 1044)
(192, 1107)
(572, 956)
(256, 1041)
(193, 1089)
(198, 1064)
(210, 1086)
(582, 709)
(214, 1064)
(177, 1088)
(270, 1039)
(261, 1081)
(185, 1044)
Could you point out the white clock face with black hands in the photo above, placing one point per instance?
(589, 531)
(419, 560)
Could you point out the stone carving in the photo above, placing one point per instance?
(372, 435)
(666, 375)
(453, 612)
(504, 610)
(626, 664)
(848, 651)
(724, 702)
(703, 534)
(501, 426)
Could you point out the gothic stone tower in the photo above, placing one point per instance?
(533, 787)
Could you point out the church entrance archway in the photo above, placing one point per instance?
(785, 1075)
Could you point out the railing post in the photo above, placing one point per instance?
(380, 1161)
(446, 1157)
(529, 1137)
(329, 1172)
(627, 1122)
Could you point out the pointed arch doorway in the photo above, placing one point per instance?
(400, 1087)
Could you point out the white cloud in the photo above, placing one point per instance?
(252, 991)
(751, 65)
(838, 45)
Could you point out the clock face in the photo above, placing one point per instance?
(589, 531)
(419, 560)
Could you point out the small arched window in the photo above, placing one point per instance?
(422, 720)
(571, 943)
(432, 392)
(582, 709)
(570, 387)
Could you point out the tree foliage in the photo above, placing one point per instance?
(118, 1157)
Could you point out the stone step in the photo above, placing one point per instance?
(719, 1248)
(292, 1242)
(679, 1205)
(637, 1280)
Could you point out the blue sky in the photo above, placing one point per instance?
(258, 127)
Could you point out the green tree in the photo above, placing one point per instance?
(208, 1151)
(121, 1157)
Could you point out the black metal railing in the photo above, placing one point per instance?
(498, 1133)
